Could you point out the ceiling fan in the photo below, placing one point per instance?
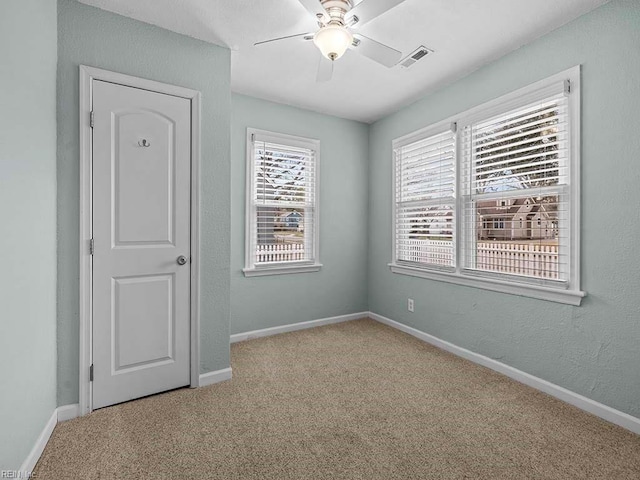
(337, 19)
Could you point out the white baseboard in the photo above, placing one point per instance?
(266, 332)
(600, 410)
(34, 455)
(68, 412)
(60, 414)
(218, 376)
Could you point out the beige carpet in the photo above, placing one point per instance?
(353, 400)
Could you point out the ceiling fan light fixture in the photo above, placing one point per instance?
(333, 41)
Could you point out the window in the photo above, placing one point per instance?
(425, 201)
(282, 204)
(506, 176)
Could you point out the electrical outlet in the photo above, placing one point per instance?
(410, 304)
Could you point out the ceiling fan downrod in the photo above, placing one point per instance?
(336, 9)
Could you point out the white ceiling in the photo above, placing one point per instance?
(465, 35)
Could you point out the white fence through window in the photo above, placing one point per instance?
(281, 252)
(531, 259)
(431, 252)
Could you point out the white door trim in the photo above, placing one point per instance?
(87, 75)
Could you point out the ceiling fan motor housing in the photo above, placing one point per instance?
(337, 9)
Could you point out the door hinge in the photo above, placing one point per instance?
(91, 246)
(567, 87)
(91, 119)
(91, 373)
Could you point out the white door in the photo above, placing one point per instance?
(141, 229)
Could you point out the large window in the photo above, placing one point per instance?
(490, 197)
(282, 200)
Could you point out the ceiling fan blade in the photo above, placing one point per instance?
(305, 36)
(325, 70)
(367, 10)
(315, 8)
(378, 52)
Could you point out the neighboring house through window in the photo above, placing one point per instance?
(282, 204)
(506, 176)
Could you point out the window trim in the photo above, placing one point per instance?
(279, 268)
(563, 292)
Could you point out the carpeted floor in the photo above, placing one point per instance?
(356, 400)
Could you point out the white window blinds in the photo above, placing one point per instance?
(515, 191)
(425, 186)
(282, 206)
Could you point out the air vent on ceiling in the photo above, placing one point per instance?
(414, 56)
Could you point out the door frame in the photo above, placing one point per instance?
(87, 76)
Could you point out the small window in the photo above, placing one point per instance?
(425, 200)
(282, 201)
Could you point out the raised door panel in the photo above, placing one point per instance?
(144, 179)
(143, 322)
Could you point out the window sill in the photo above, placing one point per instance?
(569, 297)
(281, 270)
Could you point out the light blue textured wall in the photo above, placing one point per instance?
(101, 39)
(28, 213)
(341, 286)
(592, 349)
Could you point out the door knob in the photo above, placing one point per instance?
(181, 260)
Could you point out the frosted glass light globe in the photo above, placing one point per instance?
(333, 41)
